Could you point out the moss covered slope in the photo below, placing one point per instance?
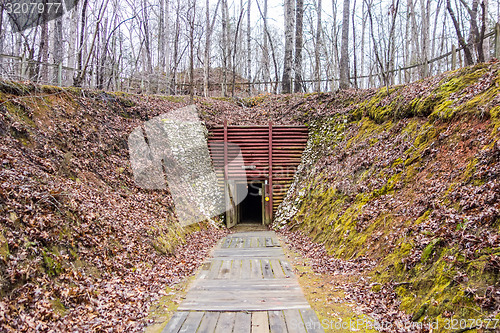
(409, 177)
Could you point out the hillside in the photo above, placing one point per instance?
(398, 189)
(403, 187)
(81, 247)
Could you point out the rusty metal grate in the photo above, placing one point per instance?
(271, 153)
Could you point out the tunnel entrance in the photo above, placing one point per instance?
(270, 155)
(251, 207)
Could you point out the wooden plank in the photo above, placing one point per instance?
(214, 269)
(266, 269)
(311, 321)
(244, 296)
(225, 269)
(232, 245)
(225, 323)
(277, 322)
(250, 284)
(240, 242)
(192, 322)
(205, 270)
(208, 322)
(226, 242)
(256, 272)
(245, 269)
(235, 270)
(287, 269)
(294, 322)
(249, 252)
(260, 322)
(224, 307)
(277, 269)
(243, 322)
(175, 323)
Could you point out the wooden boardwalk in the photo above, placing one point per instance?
(248, 287)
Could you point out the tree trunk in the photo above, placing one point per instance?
(317, 47)
(191, 17)
(225, 48)
(287, 67)
(1, 31)
(43, 53)
(249, 49)
(206, 53)
(363, 29)
(298, 46)
(461, 40)
(147, 42)
(176, 48)
(77, 79)
(354, 55)
(344, 52)
(161, 38)
(265, 47)
(58, 49)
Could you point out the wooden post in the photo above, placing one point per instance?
(453, 57)
(497, 40)
(59, 74)
(226, 171)
(22, 68)
(271, 171)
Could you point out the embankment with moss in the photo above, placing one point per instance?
(410, 177)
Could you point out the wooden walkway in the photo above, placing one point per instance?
(246, 287)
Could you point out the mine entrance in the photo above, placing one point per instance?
(270, 155)
(251, 208)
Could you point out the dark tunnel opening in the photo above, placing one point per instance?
(251, 206)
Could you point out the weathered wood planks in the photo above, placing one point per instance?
(248, 287)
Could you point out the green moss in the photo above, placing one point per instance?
(52, 263)
(16, 88)
(174, 99)
(166, 239)
(51, 89)
(4, 247)
(58, 307)
(429, 249)
(255, 100)
(75, 91)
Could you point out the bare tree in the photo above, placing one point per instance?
(77, 79)
(299, 17)
(317, 48)
(225, 45)
(58, 49)
(191, 19)
(344, 52)
(461, 40)
(249, 48)
(265, 48)
(147, 42)
(287, 67)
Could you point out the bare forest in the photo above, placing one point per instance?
(239, 48)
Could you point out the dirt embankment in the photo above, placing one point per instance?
(408, 180)
(81, 247)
